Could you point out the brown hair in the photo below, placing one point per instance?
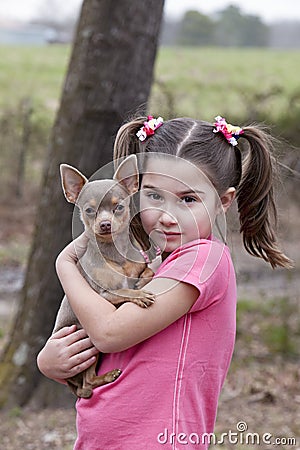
(249, 167)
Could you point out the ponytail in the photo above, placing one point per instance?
(255, 199)
(126, 142)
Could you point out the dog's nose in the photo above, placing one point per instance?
(105, 226)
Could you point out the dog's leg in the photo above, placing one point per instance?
(144, 278)
(139, 297)
(90, 380)
(84, 382)
(75, 383)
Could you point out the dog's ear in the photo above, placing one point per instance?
(127, 174)
(72, 182)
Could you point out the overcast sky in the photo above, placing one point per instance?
(268, 10)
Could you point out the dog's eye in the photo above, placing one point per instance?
(119, 208)
(90, 211)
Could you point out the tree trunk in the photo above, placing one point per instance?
(109, 76)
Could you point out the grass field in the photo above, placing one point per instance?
(235, 82)
(200, 82)
(34, 72)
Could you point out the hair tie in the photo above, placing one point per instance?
(231, 132)
(149, 127)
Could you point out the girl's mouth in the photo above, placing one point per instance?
(166, 235)
(170, 234)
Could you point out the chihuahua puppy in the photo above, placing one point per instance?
(112, 265)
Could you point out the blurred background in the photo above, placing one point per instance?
(238, 59)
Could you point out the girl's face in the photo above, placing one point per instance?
(177, 202)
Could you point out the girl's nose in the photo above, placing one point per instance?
(167, 219)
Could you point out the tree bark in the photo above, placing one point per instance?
(109, 75)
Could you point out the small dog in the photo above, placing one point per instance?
(111, 264)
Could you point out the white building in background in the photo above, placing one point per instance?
(17, 33)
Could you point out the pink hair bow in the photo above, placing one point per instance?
(149, 127)
(231, 132)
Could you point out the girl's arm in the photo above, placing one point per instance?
(113, 330)
(66, 353)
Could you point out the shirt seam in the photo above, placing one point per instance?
(179, 376)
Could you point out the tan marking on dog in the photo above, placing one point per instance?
(93, 202)
(115, 200)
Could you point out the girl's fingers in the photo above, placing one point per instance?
(81, 346)
(65, 331)
(66, 353)
(83, 360)
(76, 336)
(71, 336)
(82, 366)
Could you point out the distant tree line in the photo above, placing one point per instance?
(229, 28)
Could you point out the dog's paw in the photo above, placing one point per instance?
(113, 375)
(144, 279)
(146, 299)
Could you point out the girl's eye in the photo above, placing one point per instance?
(90, 211)
(188, 199)
(119, 208)
(154, 196)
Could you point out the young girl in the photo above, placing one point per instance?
(174, 355)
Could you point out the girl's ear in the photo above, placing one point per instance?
(227, 198)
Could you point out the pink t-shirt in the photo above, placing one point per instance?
(167, 394)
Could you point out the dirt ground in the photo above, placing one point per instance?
(261, 395)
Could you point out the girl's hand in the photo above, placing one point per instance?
(73, 251)
(66, 353)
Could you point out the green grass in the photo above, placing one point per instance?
(33, 72)
(200, 82)
(210, 81)
(268, 327)
(37, 71)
